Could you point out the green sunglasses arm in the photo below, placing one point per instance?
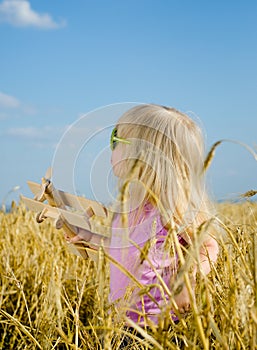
(120, 139)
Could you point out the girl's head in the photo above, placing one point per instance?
(161, 149)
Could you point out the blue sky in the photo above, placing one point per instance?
(62, 59)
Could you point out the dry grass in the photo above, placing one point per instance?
(52, 299)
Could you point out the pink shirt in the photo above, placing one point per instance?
(149, 227)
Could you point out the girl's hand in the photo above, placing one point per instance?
(182, 299)
(82, 235)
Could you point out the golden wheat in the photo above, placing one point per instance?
(53, 299)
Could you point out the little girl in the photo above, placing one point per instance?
(158, 156)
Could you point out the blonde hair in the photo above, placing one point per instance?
(168, 150)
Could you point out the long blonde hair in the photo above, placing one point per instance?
(168, 149)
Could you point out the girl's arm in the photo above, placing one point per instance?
(208, 255)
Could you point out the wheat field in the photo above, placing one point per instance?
(50, 298)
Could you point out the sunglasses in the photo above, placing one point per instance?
(115, 139)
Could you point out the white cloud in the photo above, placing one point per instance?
(32, 132)
(19, 13)
(49, 136)
(27, 132)
(45, 137)
(48, 132)
(12, 108)
(7, 101)
(3, 116)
